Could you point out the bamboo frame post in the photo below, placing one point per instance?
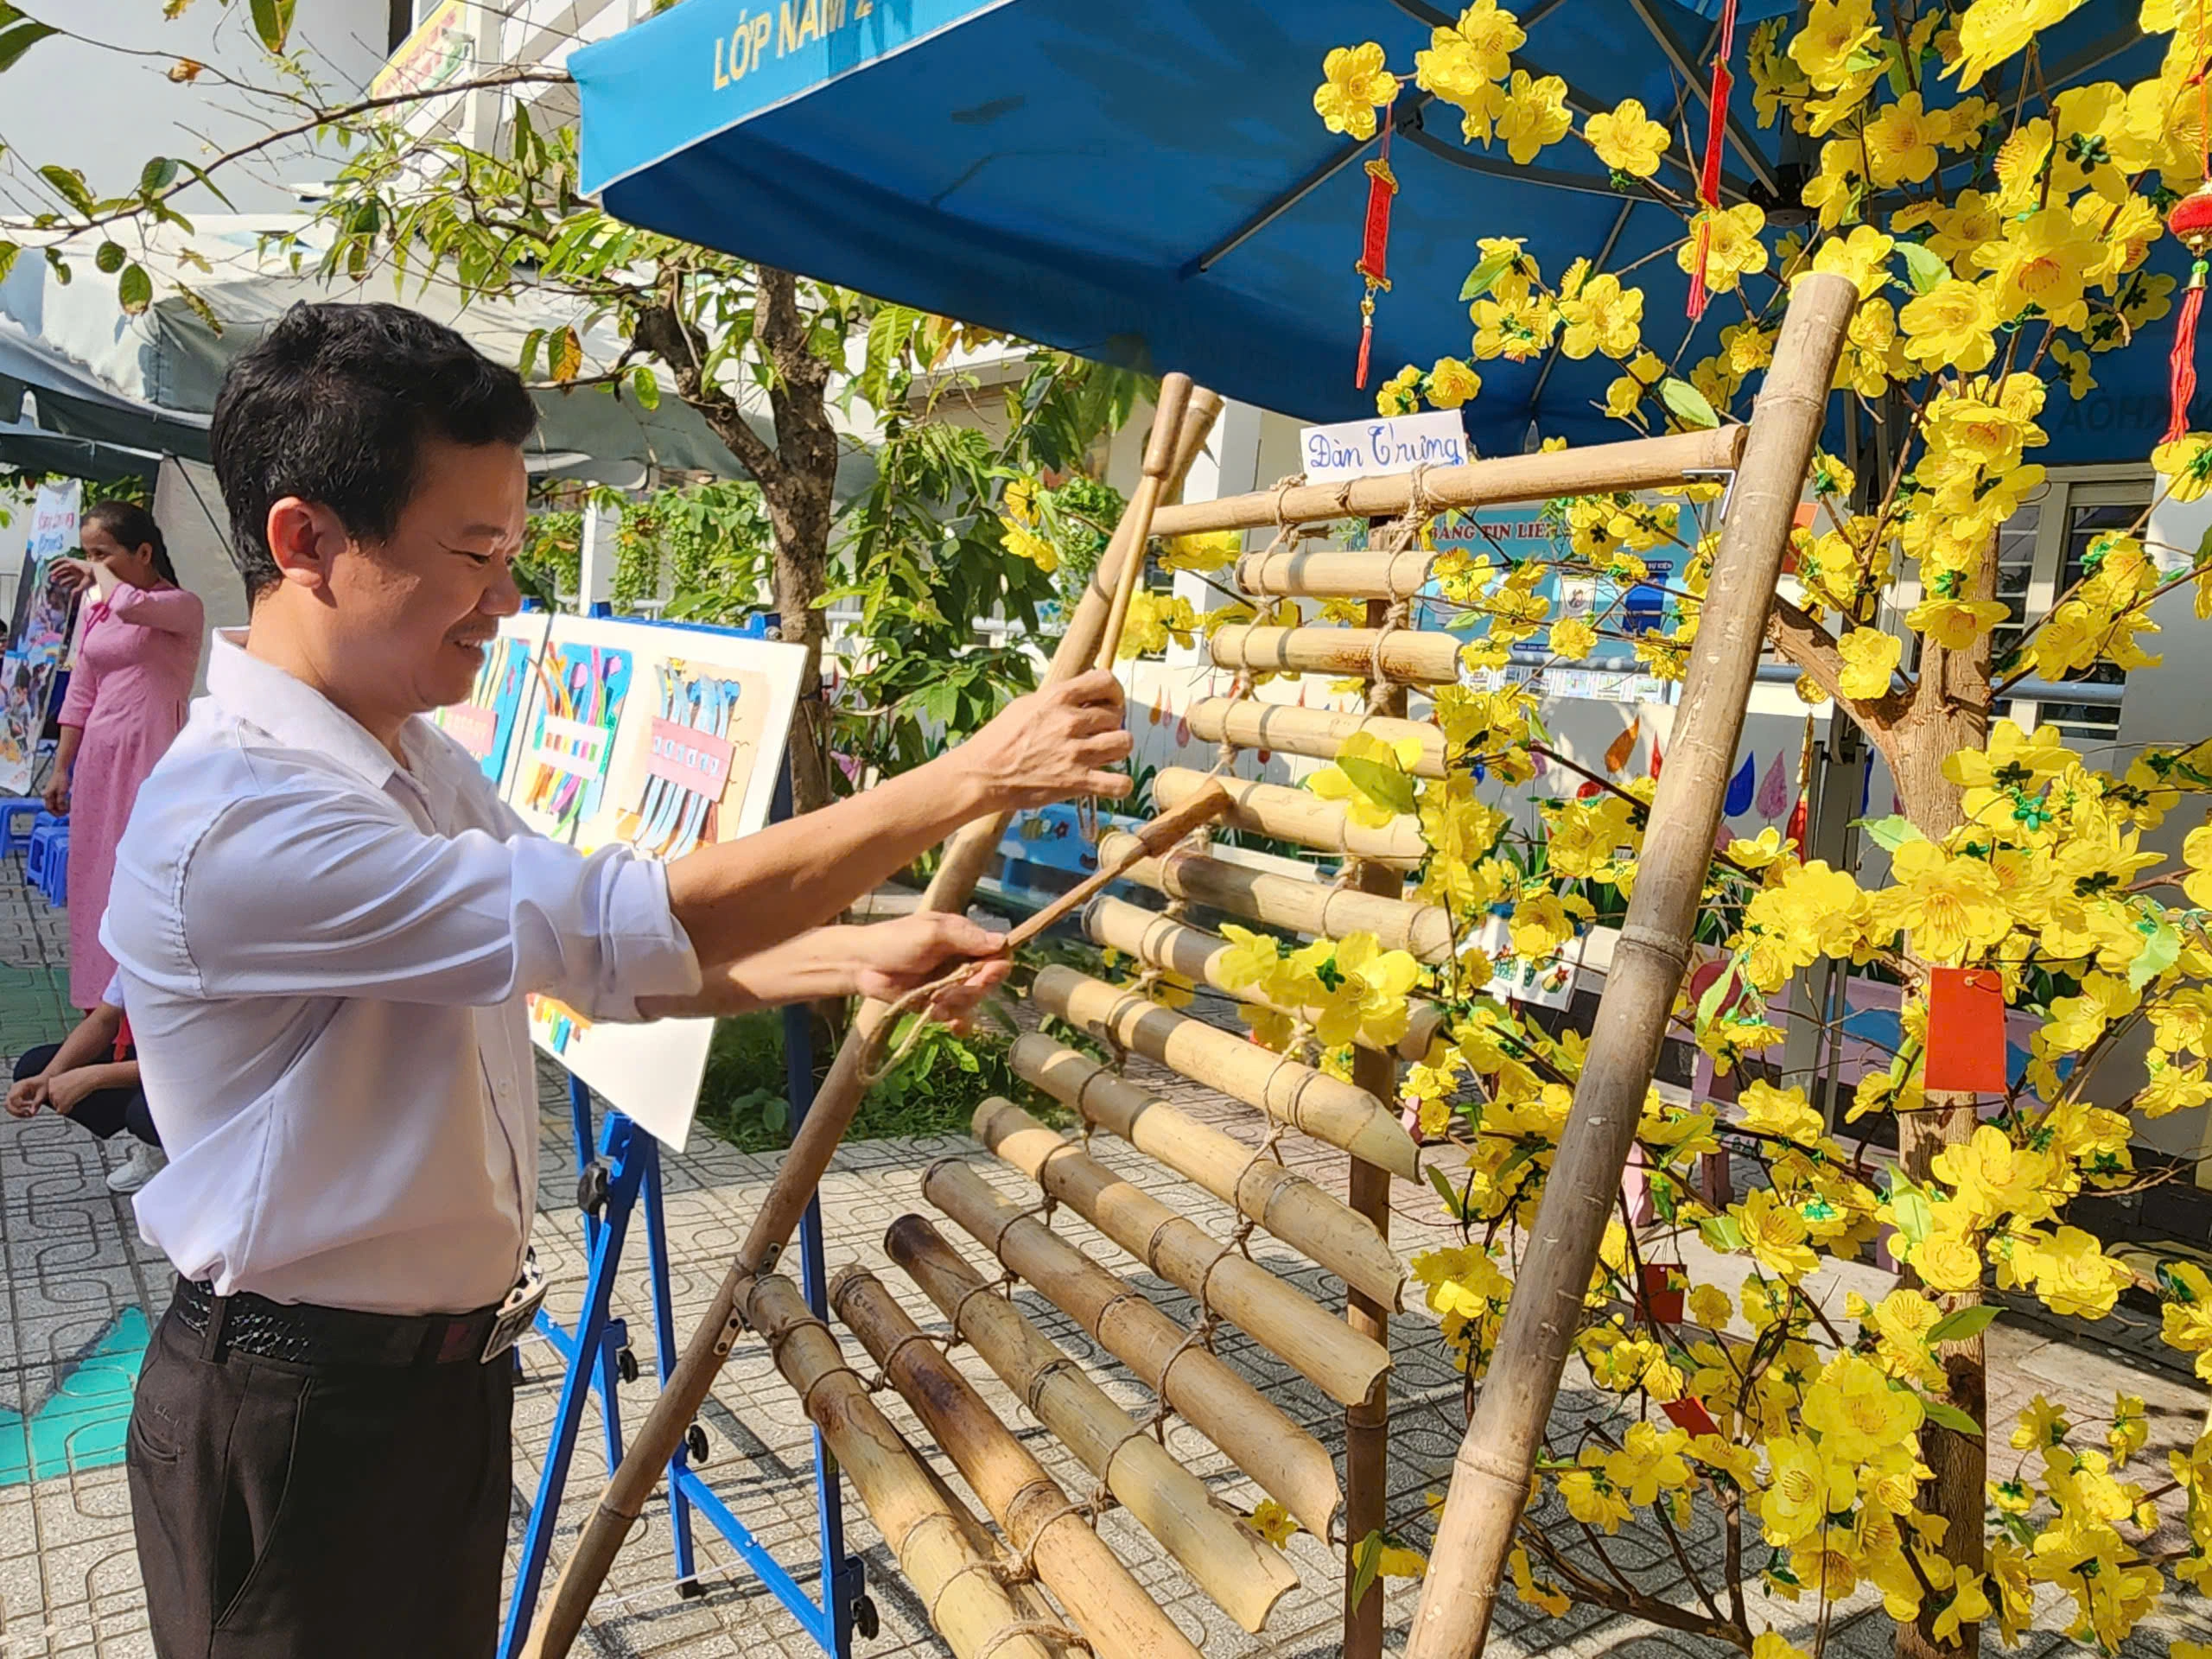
(561, 1615)
(1490, 1476)
(1367, 1422)
(969, 1608)
(1290, 1465)
(1243, 1575)
(1108, 1605)
(1159, 461)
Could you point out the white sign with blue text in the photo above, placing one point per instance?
(1385, 443)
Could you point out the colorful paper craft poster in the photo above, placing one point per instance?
(484, 725)
(694, 744)
(581, 690)
(39, 635)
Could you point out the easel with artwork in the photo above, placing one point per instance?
(667, 738)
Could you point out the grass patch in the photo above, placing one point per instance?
(745, 1099)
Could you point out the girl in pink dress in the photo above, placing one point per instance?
(136, 660)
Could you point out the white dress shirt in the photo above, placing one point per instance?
(326, 956)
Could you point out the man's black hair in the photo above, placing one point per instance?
(333, 405)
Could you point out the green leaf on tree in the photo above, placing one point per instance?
(565, 357)
(272, 20)
(1914, 1218)
(1485, 276)
(8, 252)
(18, 34)
(1444, 1189)
(1944, 1415)
(1366, 1566)
(1889, 834)
(1722, 1232)
(1961, 1325)
(1924, 268)
(2160, 946)
(1386, 786)
(110, 259)
(69, 184)
(158, 175)
(1686, 403)
(645, 386)
(135, 290)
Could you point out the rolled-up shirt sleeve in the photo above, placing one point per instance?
(310, 890)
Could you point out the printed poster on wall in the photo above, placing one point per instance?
(39, 633)
(663, 739)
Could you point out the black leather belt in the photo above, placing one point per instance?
(303, 1334)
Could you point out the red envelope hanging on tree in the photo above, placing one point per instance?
(1966, 1032)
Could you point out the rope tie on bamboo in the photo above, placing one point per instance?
(1044, 1629)
(947, 1339)
(1294, 1053)
(1269, 1151)
(806, 1395)
(991, 1570)
(1023, 1567)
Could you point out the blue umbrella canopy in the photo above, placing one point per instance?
(1147, 183)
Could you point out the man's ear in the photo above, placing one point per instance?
(305, 539)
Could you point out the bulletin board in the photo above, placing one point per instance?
(660, 738)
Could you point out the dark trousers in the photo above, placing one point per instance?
(296, 1512)
(105, 1111)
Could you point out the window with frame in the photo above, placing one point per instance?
(2041, 555)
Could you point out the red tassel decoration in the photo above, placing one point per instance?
(1795, 832)
(2191, 221)
(1375, 246)
(1716, 143)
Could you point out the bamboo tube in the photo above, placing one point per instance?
(1293, 815)
(1639, 464)
(969, 1606)
(1345, 1365)
(1318, 732)
(1225, 1557)
(1407, 656)
(1310, 1101)
(1287, 902)
(1162, 942)
(1335, 572)
(1490, 1476)
(1174, 396)
(1288, 1206)
(1108, 1606)
(561, 1615)
(1028, 1600)
(1289, 1465)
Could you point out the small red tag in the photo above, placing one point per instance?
(1966, 1032)
(1688, 1415)
(1661, 1292)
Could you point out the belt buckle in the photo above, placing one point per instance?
(517, 1311)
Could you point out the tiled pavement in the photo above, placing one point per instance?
(69, 1585)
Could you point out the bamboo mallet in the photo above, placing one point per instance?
(561, 1615)
(1490, 1476)
(1158, 462)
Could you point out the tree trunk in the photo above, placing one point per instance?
(1949, 712)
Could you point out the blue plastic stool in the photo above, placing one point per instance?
(44, 831)
(56, 884)
(18, 813)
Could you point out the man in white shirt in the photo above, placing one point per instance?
(327, 924)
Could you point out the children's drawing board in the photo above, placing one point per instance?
(666, 739)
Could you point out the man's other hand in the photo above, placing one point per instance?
(893, 958)
(1053, 744)
(25, 1098)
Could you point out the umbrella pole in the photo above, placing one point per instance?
(562, 1616)
(1490, 1476)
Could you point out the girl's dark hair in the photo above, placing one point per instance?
(132, 526)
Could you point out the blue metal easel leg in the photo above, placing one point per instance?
(620, 1146)
(666, 1342)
